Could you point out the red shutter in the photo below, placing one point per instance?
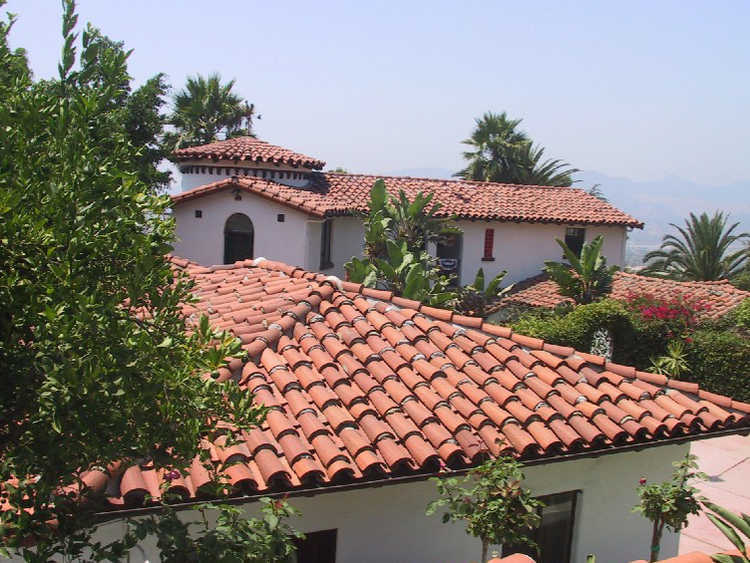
(489, 242)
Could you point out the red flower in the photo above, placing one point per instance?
(642, 481)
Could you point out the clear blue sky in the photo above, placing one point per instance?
(636, 89)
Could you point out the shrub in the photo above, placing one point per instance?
(717, 354)
(634, 343)
(740, 316)
(720, 362)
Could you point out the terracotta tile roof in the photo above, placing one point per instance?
(720, 296)
(343, 194)
(248, 148)
(692, 557)
(363, 386)
(515, 558)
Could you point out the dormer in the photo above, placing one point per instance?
(244, 156)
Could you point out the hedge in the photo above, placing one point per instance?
(720, 362)
(634, 342)
(718, 355)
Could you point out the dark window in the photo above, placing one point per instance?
(317, 547)
(325, 244)
(238, 238)
(489, 243)
(574, 238)
(198, 213)
(554, 537)
(280, 217)
(448, 254)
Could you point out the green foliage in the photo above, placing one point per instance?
(473, 299)
(719, 361)
(731, 525)
(499, 152)
(674, 362)
(396, 233)
(740, 315)
(576, 327)
(97, 365)
(207, 110)
(671, 502)
(223, 533)
(583, 279)
(742, 280)
(701, 251)
(492, 503)
(717, 355)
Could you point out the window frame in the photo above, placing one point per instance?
(579, 232)
(326, 244)
(560, 558)
(320, 534)
(489, 245)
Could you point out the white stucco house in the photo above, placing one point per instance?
(369, 395)
(244, 198)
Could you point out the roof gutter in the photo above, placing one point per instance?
(110, 515)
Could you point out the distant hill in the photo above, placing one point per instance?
(661, 202)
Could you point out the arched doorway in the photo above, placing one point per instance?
(238, 238)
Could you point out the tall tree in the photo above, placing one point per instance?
(97, 367)
(702, 250)
(501, 153)
(207, 110)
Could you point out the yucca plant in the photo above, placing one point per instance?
(674, 362)
(731, 525)
(586, 278)
(474, 298)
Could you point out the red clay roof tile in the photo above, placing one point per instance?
(718, 297)
(345, 194)
(360, 417)
(247, 149)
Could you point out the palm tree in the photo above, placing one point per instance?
(501, 153)
(702, 251)
(207, 110)
(533, 170)
(494, 142)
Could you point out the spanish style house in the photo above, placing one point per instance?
(245, 198)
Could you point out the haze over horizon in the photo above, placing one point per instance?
(649, 99)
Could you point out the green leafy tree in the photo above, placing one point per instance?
(492, 502)
(207, 110)
(474, 298)
(669, 504)
(222, 533)
(396, 232)
(499, 152)
(586, 278)
(98, 371)
(731, 525)
(702, 250)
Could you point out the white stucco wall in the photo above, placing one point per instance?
(202, 239)
(522, 248)
(388, 524)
